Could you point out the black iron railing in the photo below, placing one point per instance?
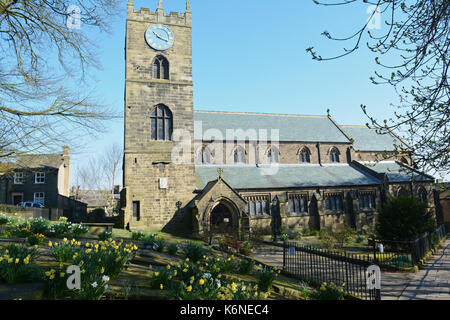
(404, 254)
(320, 265)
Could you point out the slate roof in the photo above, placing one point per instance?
(34, 161)
(291, 127)
(367, 139)
(288, 176)
(396, 171)
(40, 161)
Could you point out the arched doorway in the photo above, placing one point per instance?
(221, 219)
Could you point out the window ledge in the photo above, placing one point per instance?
(334, 212)
(261, 217)
(302, 214)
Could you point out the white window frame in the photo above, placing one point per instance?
(39, 175)
(18, 177)
(38, 199)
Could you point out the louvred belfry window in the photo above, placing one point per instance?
(160, 68)
(161, 123)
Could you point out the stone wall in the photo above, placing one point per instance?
(318, 217)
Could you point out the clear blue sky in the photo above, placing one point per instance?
(251, 56)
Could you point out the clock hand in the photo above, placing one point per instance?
(162, 38)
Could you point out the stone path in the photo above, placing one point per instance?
(430, 283)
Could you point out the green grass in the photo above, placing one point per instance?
(125, 234)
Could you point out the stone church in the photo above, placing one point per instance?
(197, 172)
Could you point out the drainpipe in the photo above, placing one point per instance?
(255, 144)
(318, 152)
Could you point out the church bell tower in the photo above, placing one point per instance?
(158, 110)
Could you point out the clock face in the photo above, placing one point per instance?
(159, 37)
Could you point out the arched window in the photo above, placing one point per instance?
(422, 194)
(273, 155)
(204, 156)
(160, 68)
(305, 155)
(334, 155)
(239, 155)
(161, 123)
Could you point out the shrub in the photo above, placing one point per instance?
(15, 221)
(246, 248)
(6, 233)
(329, 292)
(342, 236)
(266, 275)
(360, 239)
(193, 251)
(93, 287)
(55, 282)
(60, 229)
(79, 229)
(98, 263)
(137, 236)
(63, 251)
(172, 249)
(39, 225)
(327, 240)
(160, 243)
(35, 239)
(4, 220)
(105, 235)
(105, 257)
(404, 218)
(17, 264)
(246, 266)
(22, 231)
(305, 289)
(226, 264)
(162, 277)
(149, 240)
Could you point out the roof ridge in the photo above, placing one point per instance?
(260, 113)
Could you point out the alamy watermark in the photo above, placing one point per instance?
(373, 277)
(73, 17)
(74, 280)
(374, 20)
(259, 147)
